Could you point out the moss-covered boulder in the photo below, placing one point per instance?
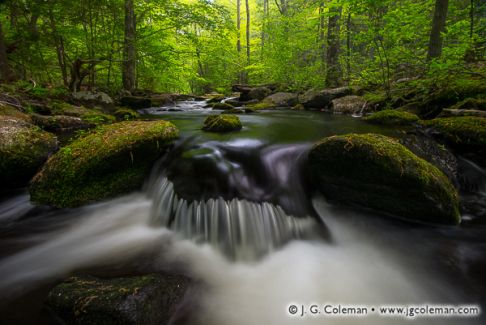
(98, 118)
(23, 149)
(112, 160)
(261, 105)
(462, 132)
(150, 299)
(377, 172)
(126, 114)
(392, 117)
(222, 123)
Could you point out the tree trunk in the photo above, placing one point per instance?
(334, 73)
(129, 64)
(438, 27)
(6, 72)
(247, 32)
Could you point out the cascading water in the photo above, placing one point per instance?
(244, 196)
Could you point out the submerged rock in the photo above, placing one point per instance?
(112, 160)
(23, 149)
(377, 172)
(348, 105)
(150, 299)
(322, 99)
(222, 123)
(392, 117)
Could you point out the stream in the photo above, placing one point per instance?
(236, 211)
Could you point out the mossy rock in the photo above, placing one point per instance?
(9, 110)
(462, 132)
(222, 123)
(59, 123)
(23, 149)
(392, 117)
(112, 160)
(234, 111)
(126, 114)
(377, 172)
(149, 299)
(261, 105)
(471, 103)
(222, 106)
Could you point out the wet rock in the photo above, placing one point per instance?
(233, 102)
(348, 105)
(112, 160)
(135, 102)
(259, 93)
(282, 99)
(23, 149)
(222, 123)
(222, 106)
(150, 299)
(215, 99)
(250, 92)
(377, 172)
(234, 111)
(314, 99)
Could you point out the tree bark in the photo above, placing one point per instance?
(6, 72)
(129, 64)
(334, 73)
(438, 27)
(247, 4)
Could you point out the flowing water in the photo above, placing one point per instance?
(236, 212)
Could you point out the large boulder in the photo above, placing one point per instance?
(282, 99)
(23, 149)
(250, 92)
(150, 299)
(377, 172)
(222, 123)
(112, 160)
(348, 105)
(135, 102)
(259, 93)
(319, 99)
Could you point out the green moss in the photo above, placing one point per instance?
(126, 114)
(23, 149)
(112, 160)
(8, 110)
(465, 131)
(261, 105)
(222, 123)
(234, 111)
(377, 172)
(392, 117)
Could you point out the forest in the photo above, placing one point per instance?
(242, 162)
(203, 46)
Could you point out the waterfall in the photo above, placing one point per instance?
(240, 229)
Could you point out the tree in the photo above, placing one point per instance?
(129, 64)
(334, 73)
(438, 27)
(6, 72)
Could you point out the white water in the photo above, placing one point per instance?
(351, 270)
